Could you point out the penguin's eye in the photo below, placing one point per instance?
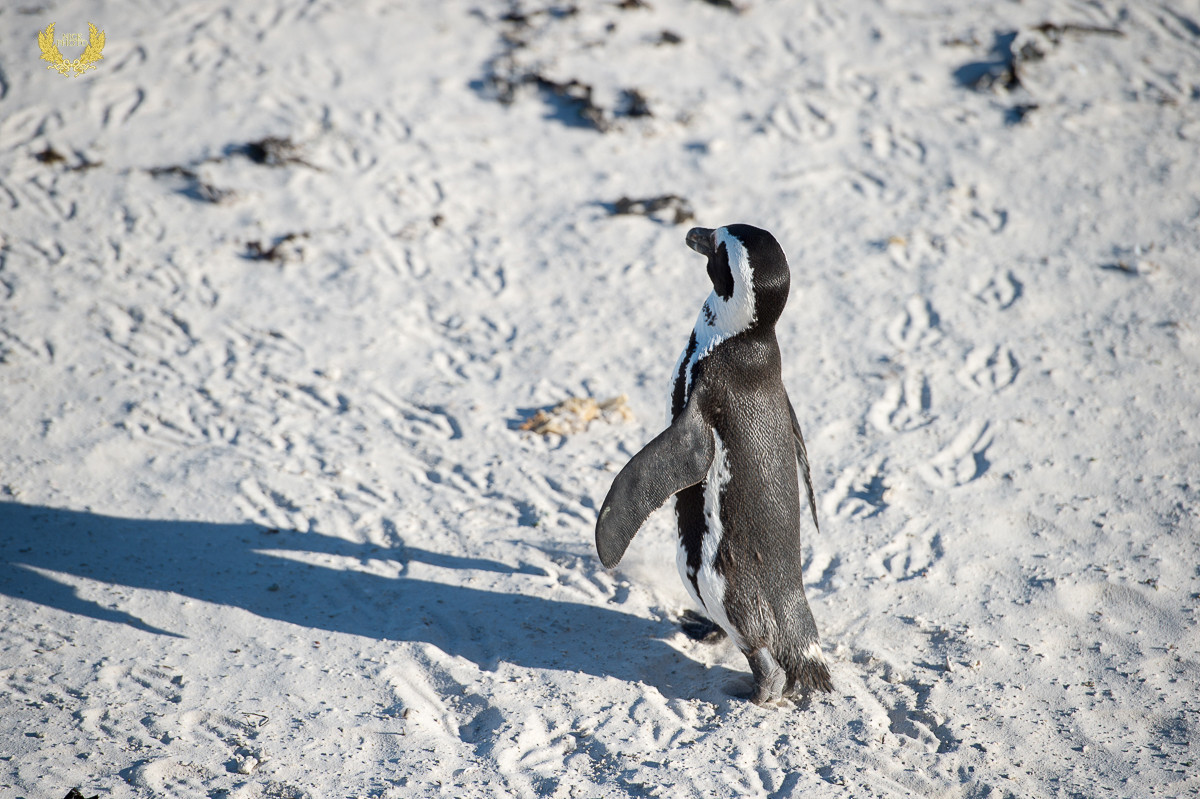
(719, 272)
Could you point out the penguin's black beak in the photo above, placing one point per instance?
(700, 239)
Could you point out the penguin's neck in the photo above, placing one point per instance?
(721, 319)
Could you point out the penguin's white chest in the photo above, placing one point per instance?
(709, 582)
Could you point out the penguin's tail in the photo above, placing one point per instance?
(799, 650)
(808, 672)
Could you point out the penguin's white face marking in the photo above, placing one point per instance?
(709, 581)
(728, 310)
(725, 316)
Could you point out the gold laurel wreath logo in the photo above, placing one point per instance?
(58, 62)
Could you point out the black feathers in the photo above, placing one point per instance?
(677, 459)
(719, 272)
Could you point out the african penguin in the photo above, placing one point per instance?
(729, 458)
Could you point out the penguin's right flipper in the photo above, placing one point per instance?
(805, 471)
(676, 459)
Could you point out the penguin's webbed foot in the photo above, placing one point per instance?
(700, 628)
(769, 678)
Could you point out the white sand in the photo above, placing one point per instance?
(268, 527)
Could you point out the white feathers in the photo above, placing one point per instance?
(813, 652)
(710, 582)
(721, 318)
(728, 316)
(708, 588)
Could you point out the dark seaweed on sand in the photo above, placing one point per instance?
(651, 206)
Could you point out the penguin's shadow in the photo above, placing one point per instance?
(302, 578)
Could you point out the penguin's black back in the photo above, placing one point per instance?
(759, 553)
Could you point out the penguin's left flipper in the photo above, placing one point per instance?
(805, 471)
(676, 459)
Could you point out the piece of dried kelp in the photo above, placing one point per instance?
(574, 414)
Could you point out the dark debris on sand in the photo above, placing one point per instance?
(274, 151)
(282, 248)
(573, 100)
(195, 187)
(678, 209)
(1012, 53)
(51, 157)
(1003, 71)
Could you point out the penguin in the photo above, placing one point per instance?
(729, 458)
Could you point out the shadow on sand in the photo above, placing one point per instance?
(272, 574)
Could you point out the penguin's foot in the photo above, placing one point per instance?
(700, 628)
(769, 677)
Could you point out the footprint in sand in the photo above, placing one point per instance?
(859, 491)
(963, 460)
(917, 326)
(801, 120)
(1001, 291)
(989, 369)
(910, 554)
(905, 404)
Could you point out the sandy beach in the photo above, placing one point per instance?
(281, 283)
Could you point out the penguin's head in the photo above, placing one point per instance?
(749, 273)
